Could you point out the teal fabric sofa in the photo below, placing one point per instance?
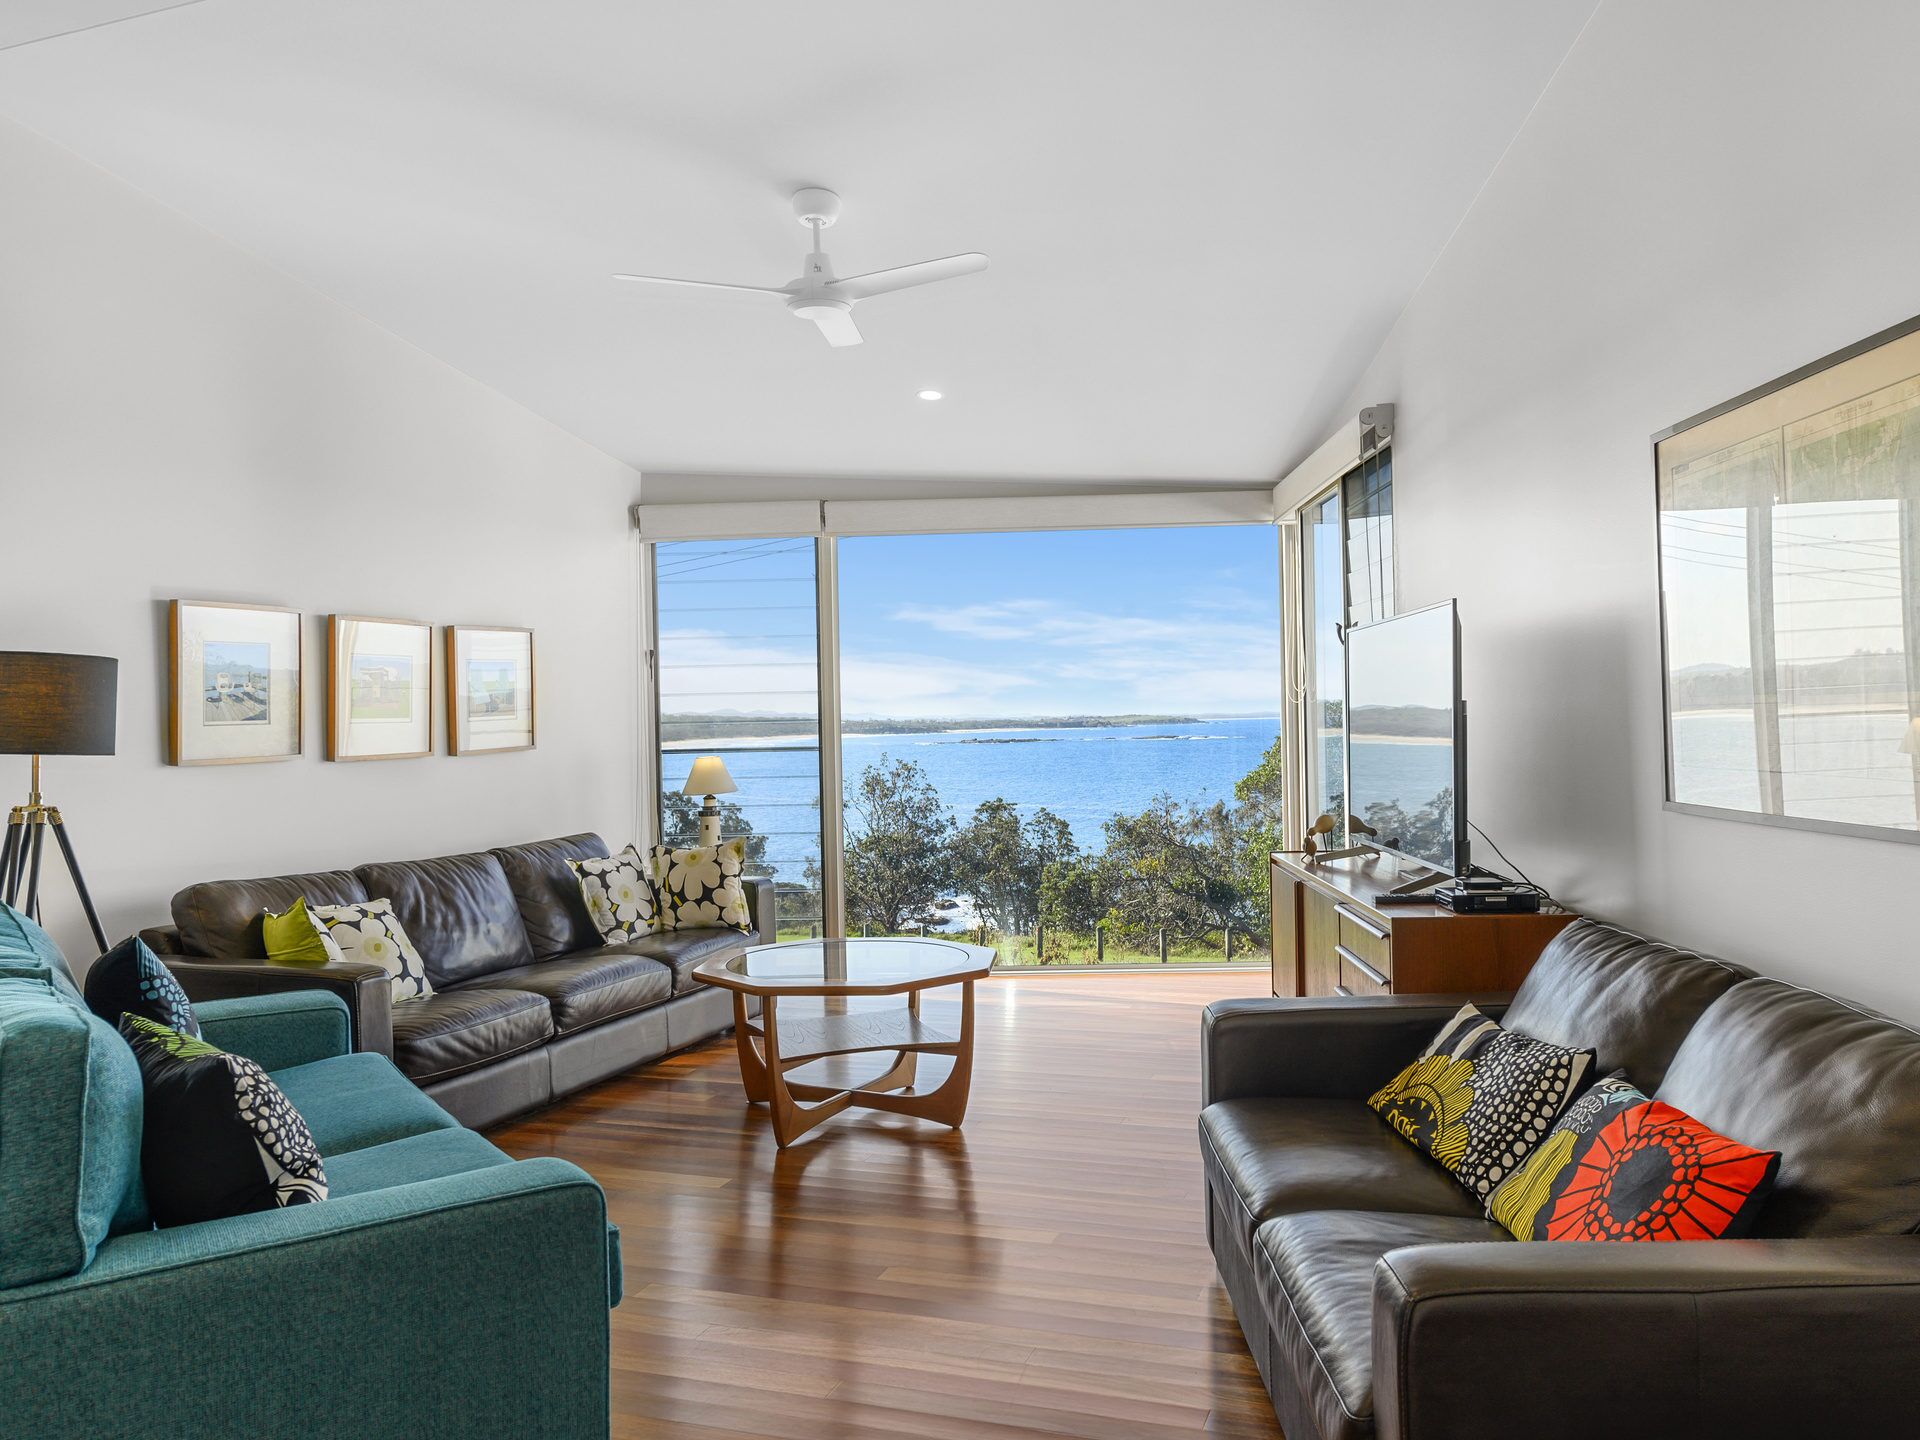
(443, 1289)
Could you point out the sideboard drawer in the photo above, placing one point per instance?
(1371, 942)
(1359, 977)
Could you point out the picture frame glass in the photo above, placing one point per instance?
(1789, 556)
(236, 683)
(380, 688)
(490, 689)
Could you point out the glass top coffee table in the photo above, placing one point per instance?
(771, 1046)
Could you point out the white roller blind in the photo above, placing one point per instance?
(734, 520)
(747, 519)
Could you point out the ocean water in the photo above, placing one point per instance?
(1083, 775)
(1836, 765)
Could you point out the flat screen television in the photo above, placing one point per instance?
(1407, 737)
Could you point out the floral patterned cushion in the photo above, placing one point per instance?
(1619, 1166)
(1480, 1097)
(619, 895)
(220, 1138)
(371, 933)
(701, 886)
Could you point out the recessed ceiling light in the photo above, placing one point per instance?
(929, 394)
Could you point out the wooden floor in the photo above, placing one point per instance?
(1042, 1273)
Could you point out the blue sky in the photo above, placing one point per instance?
(1060, 623)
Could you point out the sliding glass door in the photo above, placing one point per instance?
(737, 674)
(1062, 744)
(1346, 578)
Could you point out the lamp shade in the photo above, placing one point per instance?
(57, 704)
(1910, 742)
(709, 777)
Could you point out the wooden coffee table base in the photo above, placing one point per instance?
(770, 1047)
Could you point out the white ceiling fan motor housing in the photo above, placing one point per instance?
(813, 206)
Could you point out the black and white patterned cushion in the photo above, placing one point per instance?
(370, 932)
(218, 1137)
(1480, 1097)
(619, 895)
(131, 980)
(701, 886)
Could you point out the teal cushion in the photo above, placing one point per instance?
(22, 941)
(352, 1101)
(430, 1156)
(70, 1112)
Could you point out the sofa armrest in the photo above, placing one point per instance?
(420, 1305)
(763, 904)
(278, 1031)
(1334, 1047)
(1722, 1337)
(366, 990)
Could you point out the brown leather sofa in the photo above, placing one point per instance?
(528, 1004)
(1378, 1300)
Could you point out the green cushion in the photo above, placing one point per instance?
(352, 1101)
(70, 1110)
(291, 937)
(430, 1156)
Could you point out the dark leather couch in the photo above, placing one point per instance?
(1379, 1301)
(528, 1004)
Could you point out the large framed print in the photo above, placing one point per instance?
(379, 688)
(1789, 548)
(490, 704)
(234, 683)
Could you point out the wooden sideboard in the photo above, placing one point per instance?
(1331, 938)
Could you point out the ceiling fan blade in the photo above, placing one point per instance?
(836, 323)
(903, 277)
(699, 284)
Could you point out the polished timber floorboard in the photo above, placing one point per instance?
(1042, 1273)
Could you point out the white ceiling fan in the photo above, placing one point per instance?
(817, 295)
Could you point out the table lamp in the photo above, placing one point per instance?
(51, 705)
(709, 778)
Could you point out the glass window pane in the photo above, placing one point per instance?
(1322, 546)
(1065, 743)
(738, 670)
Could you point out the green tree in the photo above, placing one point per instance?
(1259, 798)
(1000, 861)
(1148, 871)
(898, 850)
(1072, 894)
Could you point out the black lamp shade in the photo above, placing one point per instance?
(57, 704)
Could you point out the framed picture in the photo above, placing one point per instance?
(489, 689)
(1790, 597)
(234, 683)
(379, 688)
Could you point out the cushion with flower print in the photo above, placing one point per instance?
(702, 886)
(619, 895)
(370, 932)
(1480, 1097)
(1618, 1166)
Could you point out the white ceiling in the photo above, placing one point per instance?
(1202, 218)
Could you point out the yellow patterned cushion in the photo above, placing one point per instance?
(1479, 1098)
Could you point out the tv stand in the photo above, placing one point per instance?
(1332, 936)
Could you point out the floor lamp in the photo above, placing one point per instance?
(51, 705)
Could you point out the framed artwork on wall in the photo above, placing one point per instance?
(379, 688)
(234, 683)
(1789, 549)
(490, 704)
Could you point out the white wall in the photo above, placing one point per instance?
(1710, 194)
(178, 419)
